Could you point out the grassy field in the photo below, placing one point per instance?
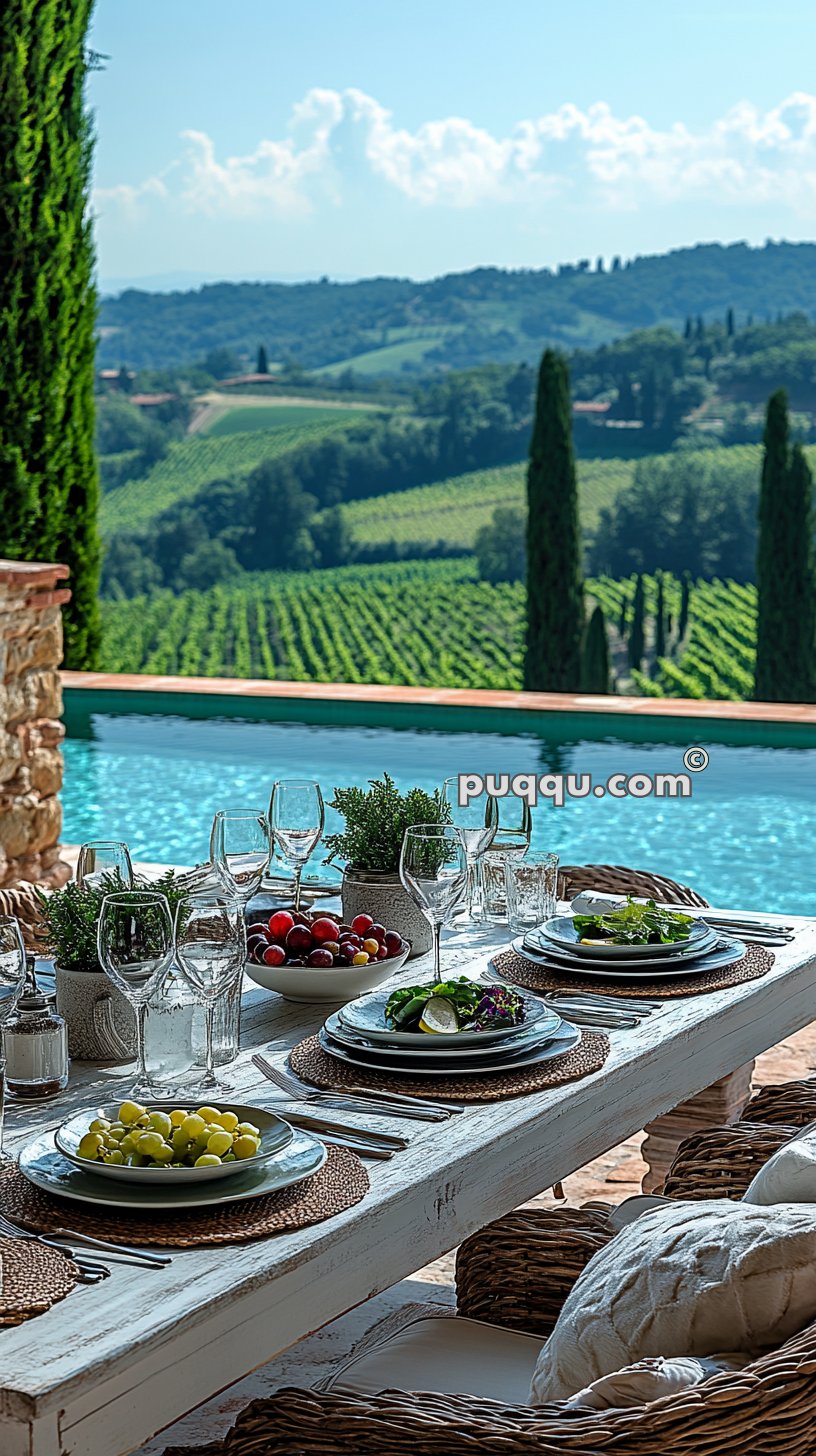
(420, 623)
(403, 346)
(192, 463)
(243, 420)
(454, 510)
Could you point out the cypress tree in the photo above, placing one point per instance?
(660, 618)
(595, 657)
(262, 366)
(637, 629)
(48, 477)
(786, 574)
(555, 589)
(688, 330)
(624, 616)
(685, 602)
(729, 323)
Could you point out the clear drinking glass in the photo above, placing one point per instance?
(531, 884)
(240, 850)
(296, 817)
(135, 945)
(210, 943)
(434, 871)
(512, 838)
(12, 981)
(101, 857)
(476, 822)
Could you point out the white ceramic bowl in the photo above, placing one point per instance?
(325, 985)
(275, 1135)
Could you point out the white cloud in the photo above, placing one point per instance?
(746, 156)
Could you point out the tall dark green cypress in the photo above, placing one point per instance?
(595, 659)
(637, 631)
(262, 366)
(48, 477)
(786, 573)
(685, 603)
(555, 588)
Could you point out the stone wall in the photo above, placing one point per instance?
(30, 729)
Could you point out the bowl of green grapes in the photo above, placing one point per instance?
(135, 1142)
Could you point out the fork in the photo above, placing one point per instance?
(392, 1104)
(141, 1257)
(92, 1268)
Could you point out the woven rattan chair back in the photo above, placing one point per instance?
(618, 880)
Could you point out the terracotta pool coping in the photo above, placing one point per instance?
(800, 713)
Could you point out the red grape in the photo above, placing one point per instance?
(320, 957)
(376, 932)
(274, 955)
(299, 939)
(279, 925)
(393, 941)
(361, 924)
(325, 929)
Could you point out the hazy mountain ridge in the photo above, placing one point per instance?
(460, 319)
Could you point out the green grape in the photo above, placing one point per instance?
(150, 1144)
(208, 1160)
(177, 1116)
(245, 1147)
(164, 1155)
(179, 1140)
(161, 1122)
(227, 1120)
(129, 1113)
(99, 1124)
(128, 1144)
(208, 1113)
(220, 1143)
(89, 1145)
(136, 1160)
(115, 1157)
(193, 1126)
(247, 1129)
(117, 1131)
(229, 1158)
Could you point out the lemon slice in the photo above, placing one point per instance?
(586, 941)
(439, 1016)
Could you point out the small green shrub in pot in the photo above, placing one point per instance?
(376, 821)
(101, 1022)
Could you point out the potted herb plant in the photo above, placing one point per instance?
(101, 1022)
(376, 821)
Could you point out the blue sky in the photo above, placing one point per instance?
(262, 139)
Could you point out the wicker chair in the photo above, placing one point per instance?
(790, 1103)
(516, 1273)
(22, 901)
(618, 880)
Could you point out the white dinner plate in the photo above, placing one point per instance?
(687, 967)
(366, 1016)
(561, 932)
(49, 1170)
(275, 1135)
(567, 1037)
(534, 1036)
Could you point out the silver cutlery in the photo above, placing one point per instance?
(723, 919)
(583, 1014)
(127, 1255)
(92, 1268)
(355, 1099)
(361, 1140)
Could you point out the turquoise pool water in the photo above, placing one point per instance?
(745, 837)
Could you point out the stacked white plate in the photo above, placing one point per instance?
(358, 1034)
(557, 945)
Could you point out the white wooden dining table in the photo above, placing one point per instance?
(114, 1363)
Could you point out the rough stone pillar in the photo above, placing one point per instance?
(30, 727)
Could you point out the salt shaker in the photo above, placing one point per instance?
(35, 1040)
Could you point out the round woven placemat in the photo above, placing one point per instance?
(756, 962)
(339, 1184)
(309, 1061)
(34, 1277)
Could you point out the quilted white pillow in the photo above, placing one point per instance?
(687, 1279)
(789, 1176)
(648, 1380)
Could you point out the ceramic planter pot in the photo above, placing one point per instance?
(101, 1021)
(367, 892)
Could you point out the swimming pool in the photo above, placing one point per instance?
(744, 837)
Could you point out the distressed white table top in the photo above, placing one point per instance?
(101, 1372)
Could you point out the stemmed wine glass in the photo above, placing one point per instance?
(240, 850)
(476, 822)
(100, 857)
(434, 871)
(12, 981)
(296, 817)
(135, 945)
(210, 945)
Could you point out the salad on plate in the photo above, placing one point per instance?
(453, 1006)
(635, 924)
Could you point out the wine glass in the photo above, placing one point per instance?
(296, 816)
(434, 871)
(476, 822)
(12, 981)
(135, 945)
(210, 946)
(512, 840)
(240, 850)
(100, 857)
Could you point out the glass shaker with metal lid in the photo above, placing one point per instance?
(35, 1041)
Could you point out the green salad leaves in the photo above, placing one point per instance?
(647, 924)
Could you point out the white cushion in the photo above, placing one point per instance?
(646, 1381)
(686, 1279)
(454, 1356)
(787, 1177)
